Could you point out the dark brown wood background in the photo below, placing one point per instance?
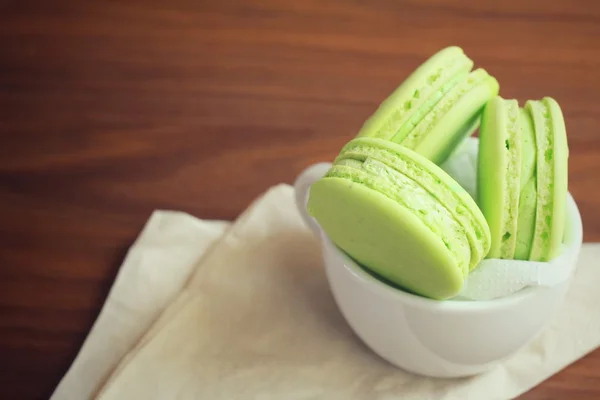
(111, 109)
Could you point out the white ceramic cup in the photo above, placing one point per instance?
(442, 339)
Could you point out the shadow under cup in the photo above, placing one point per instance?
(445, 339)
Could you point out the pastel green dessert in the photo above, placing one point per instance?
(401, 216)
(523, 178)
(436, 107)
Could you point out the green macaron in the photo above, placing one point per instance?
(400, 216)
(436, 107)
(523, 178)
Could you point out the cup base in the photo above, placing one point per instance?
(456, 373)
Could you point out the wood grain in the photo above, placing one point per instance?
(111, 109)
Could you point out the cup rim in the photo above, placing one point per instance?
(573, 237)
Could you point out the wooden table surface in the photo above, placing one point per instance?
(111, 109)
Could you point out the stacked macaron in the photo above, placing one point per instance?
(522, 178)
(402, 216)
(387, 203)
(436, 107)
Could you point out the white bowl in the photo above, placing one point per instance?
(428, 337)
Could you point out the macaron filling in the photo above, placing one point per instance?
(528, 188)
(512, 150)
(545, 179)
(426, 108)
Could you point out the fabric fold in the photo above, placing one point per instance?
(257, 320)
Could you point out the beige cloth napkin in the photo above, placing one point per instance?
(257, 321)
(153, 273)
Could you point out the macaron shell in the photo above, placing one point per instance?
(561, 176)
(422, 85)
(552, 178)
(435, 181)
(384, 237)
(409, 194)
(492, 170)
(528, 188)
(453, 118)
